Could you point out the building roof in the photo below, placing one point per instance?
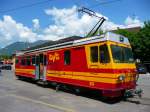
(130, 28)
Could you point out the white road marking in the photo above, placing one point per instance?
(43, 103)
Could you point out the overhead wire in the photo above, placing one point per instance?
(103, 3)
(42, 2)
(90, 7)
(25, 6)
(100, 3)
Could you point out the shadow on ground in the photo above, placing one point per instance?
(141, 101)
(92, 94)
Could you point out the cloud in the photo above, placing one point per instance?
(11, 31)
(36, 24)
(66, 22)
(130, 21)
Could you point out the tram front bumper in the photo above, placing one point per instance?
(123, 93)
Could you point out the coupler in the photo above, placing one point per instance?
(133, 92)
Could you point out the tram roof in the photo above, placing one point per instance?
(76, 41)
(50, 43)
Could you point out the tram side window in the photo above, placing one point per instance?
(22, 61)
(28, 60)
(37, 60)
(45, 60)
(94, 53)
(16, 61)
(33, 60)
(104, 55)
(67, 57)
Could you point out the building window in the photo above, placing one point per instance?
(67, 57)
(104, 55)
(94, 53)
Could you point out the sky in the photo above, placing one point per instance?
(31, 20)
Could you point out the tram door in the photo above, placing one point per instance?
(37, 73)
(41, 67)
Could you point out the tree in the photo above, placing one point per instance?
(140, 41)
(132, 36)
(2, 57)
(144, 42)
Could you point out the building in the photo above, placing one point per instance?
(130, 28)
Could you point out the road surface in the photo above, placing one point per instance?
(24, 96)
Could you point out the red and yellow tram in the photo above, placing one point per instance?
(102, 62)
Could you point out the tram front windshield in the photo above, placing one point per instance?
(122, 54)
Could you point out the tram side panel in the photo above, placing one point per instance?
(64, 63)
(24, 67)
(75, 71)
(73, 66)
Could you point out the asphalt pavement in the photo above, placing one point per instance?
(26, 96)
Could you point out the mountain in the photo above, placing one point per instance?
(17, 46)
(10, 49)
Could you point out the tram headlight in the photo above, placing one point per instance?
(121, 77)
